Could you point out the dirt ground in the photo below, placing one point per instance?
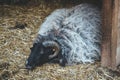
(15, 43)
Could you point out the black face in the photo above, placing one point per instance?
(39, 55)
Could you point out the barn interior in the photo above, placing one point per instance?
(19, 23)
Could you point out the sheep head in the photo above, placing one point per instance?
(42, 53)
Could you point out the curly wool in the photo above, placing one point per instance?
(77, 30)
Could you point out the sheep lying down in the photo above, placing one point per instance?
(68, 36)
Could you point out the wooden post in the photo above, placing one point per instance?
(118, 37)
(111, 34)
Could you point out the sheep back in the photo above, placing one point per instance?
(78, 31)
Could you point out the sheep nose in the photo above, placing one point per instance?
(29, 67)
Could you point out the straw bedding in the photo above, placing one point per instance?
(16, 41)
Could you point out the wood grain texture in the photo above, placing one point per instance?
(111, 34)
(118, 37)
(106, 30)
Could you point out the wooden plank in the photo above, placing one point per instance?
(118, 38)
(111, 37)
(106, 30)
(114, 33)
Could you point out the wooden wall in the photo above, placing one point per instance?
(111, 34)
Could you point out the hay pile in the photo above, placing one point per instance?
(16, 41)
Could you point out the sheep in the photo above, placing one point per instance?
(68, 36)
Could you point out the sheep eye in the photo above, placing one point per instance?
(41, 52)
(54, 50)
(31, 48)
